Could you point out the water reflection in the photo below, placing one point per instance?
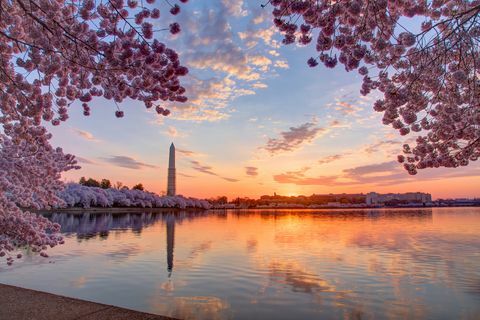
(88, 226)
(272, 264)
(170, 242)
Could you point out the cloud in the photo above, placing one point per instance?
(332, 158)
(253, 36)
(381, 145)
(186, 153)
(294, 138)
(299, 178)
(196, 165)
(259, 85)
(283, 64)
(172, 131)
(260, 14)
(347, 104)
(230, 179)
(85, 135)
(235, 7)
(84, 160)
(128, 162)
(361, 171)
(201, 168)
(251, 171)
(185, 175)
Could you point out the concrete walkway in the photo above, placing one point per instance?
(18, 303)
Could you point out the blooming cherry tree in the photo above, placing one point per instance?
(54, 54)
(429, 78)
(76, 195)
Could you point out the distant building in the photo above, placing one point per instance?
(374, 198)
(172, 174)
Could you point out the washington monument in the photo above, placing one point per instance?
(172, 175)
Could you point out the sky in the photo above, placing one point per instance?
(258, 121)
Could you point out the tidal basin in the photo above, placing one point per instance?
(284, 264)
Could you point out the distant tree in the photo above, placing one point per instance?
(222, 200)
(118, 185)
(138, 187)
(82, 181)
(92, 183)
(125, 188)
(105, 184)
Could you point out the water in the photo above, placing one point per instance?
(288, 264)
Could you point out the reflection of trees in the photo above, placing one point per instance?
(336, 214)
(88, 225)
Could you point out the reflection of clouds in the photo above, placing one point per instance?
(195, 254)
(199, 307)
(79, 282)
(123, 252)
(300, 280)
(394, 241)
(171, 285)
(252, 245)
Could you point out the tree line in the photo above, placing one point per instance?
(107, 184)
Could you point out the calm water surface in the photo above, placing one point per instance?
(364, 264)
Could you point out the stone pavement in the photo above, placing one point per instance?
(25, 304)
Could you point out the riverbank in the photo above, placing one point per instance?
(20, 303)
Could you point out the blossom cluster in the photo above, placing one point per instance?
(29, 178)
(429, 79)
(76, 195)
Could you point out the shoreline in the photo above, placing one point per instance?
(22, 303)
(136, 210)
(113, 210)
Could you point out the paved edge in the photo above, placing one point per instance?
(19, 303)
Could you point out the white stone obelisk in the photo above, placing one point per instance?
(172, 175)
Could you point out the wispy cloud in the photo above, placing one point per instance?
(185, 175)
(347, 104)
(85, 135)
(172, 131)
(251, 171)
(84, 160)
(294, 138)
(187, 153)
(381, 145)
(202, 168)
(127, 162)
(332, 158)
(196, 165)
(235, 7)
(299, 178)
(361, 171)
